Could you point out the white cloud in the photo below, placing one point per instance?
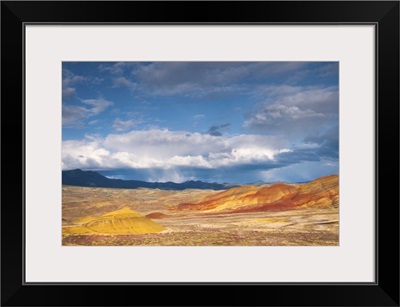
(124, 82)
(115, 69)
(68, 91)
(70, 79)
(120, 125)
(97, 105)
(198, 116)
(168, 150)
(97, 80)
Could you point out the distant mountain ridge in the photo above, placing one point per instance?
(81, 178)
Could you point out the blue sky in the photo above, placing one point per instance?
(237, 122)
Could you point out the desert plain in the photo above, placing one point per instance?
(268, 215)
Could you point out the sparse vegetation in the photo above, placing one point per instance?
(106, 216)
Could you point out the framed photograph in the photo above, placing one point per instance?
(240, 146)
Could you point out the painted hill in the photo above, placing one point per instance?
(156, 215)
(320, 193)
(93, 179)
(123, 221)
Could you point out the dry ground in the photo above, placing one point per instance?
(184, 228)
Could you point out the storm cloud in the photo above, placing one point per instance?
(216, 130)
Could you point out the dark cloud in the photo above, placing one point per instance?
(72, 114)
(90, 107)
(323, 146)
(215, 130)
(298, 155)
(169, 73)
(329, 69)
(294, 110)
(328, 143)
(211, 79)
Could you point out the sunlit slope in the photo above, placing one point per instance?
(123, 221)
(320, 193)
(239, 197)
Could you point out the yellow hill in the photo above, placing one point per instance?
(123, 221)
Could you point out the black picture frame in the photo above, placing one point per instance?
(383, 14)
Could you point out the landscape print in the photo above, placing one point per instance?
(200, 154)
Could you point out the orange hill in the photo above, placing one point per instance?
(320, 193)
